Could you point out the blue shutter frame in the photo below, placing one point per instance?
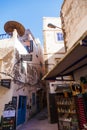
(60, 37)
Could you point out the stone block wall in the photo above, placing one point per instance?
(74, 20)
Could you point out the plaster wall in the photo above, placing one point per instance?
(6, 66)
(53, 49)
(24, 83)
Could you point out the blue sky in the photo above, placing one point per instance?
(29, 13)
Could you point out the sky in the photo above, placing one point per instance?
(29, 13)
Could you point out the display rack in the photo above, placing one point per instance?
(66, 109)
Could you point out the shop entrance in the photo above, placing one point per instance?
(21, 110)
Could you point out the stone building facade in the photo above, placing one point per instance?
(72, 68)
(74, 17)
(21, 70)
(74, 25)
(54, 48)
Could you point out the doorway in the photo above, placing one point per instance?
(21, 110)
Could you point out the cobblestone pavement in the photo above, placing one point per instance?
(39, 122)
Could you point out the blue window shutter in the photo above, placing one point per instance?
(59, 36)
(27, 48)
(31, 45)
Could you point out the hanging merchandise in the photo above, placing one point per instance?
(76, 89)
(83, 83)
(82, 116)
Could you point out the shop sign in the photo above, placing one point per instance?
(9, 118)
(9, 113)
(5, 82)
(26, 57)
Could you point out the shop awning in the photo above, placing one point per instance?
(74, 59)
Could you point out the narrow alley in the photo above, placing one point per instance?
(39, 122)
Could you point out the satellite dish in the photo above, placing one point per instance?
(11, 25)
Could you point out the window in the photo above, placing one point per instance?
(29, 48)
(33, 98)
(22, 68)
(31, 45)
(60, 37)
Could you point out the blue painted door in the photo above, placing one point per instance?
(21, 110)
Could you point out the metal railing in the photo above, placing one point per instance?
(4, 36)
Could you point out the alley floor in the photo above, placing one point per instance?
(39, 122)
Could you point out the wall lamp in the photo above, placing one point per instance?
(50, 25)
